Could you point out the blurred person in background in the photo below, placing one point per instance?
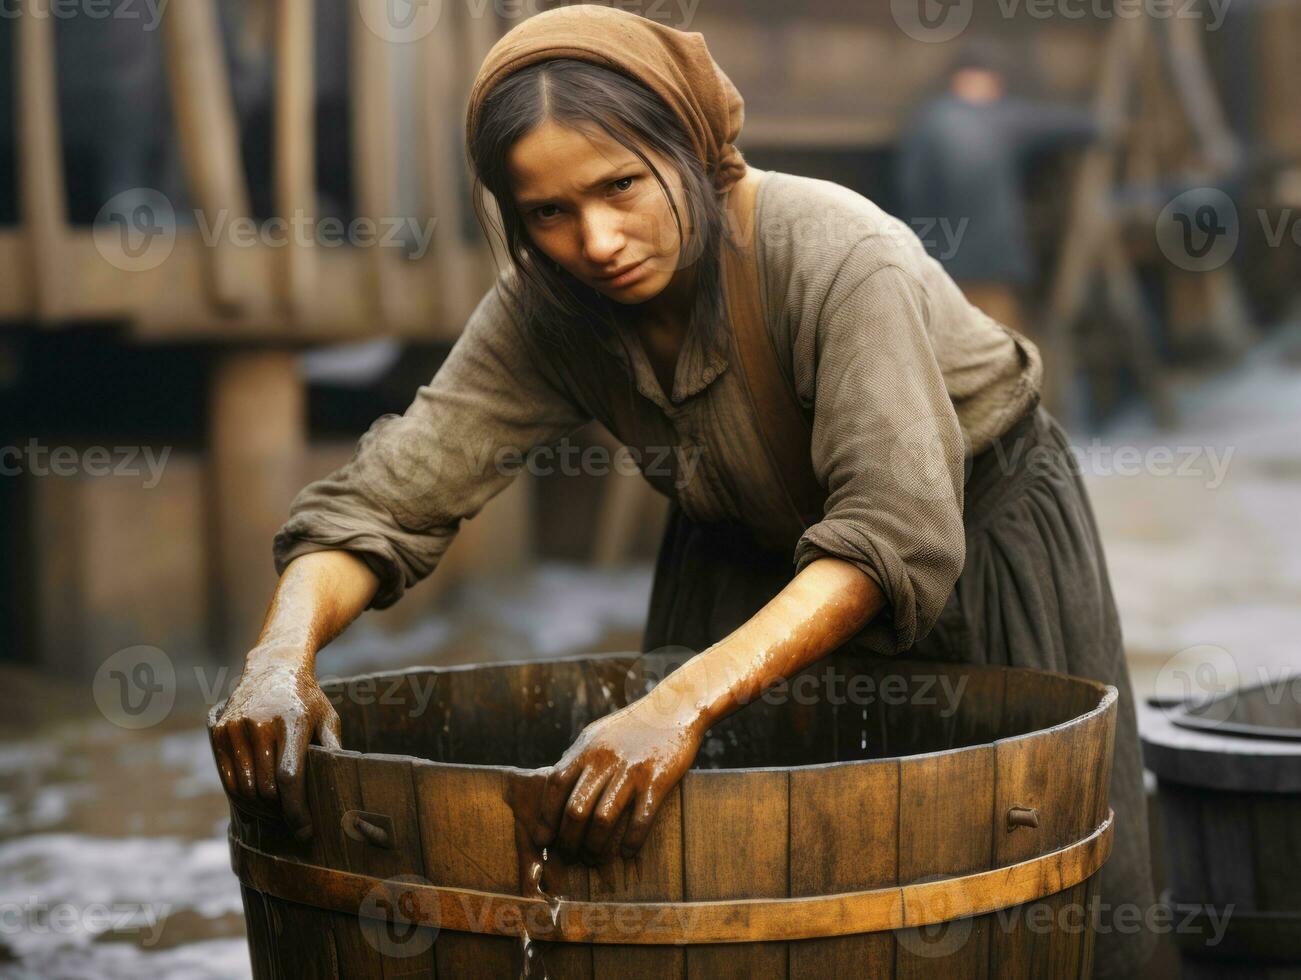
(960, 165)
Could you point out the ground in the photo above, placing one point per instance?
(113, 860)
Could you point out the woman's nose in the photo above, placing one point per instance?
(603, 235)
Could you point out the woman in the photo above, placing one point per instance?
(608, 142)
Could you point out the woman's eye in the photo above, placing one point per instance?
(537, 212)
(615, 183)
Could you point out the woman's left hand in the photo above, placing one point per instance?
(628, 761)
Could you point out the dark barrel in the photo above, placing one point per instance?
(869, 818)
(1229, 790)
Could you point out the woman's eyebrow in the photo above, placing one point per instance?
(532, 202)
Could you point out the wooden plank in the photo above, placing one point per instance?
(736, 840)
(295, 149)
(208, 133)
(303, 941)
(464, 823)
(844, 837)
(656, 874)
(1061, 775)
(1276, 835)
(945, 802)
(260, 938)
(400, 711)
(1181, 823)
(388, 789)
(551, 709)
(334, 788)
(41, 191)
(481, 726)
(1226, 825)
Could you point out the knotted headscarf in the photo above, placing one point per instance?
(674, 64)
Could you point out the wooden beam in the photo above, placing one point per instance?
(168, 301)
(295, 151)
(208, 133)
(41, 193)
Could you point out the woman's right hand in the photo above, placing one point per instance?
(260, 741)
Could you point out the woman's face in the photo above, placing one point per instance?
(592, 206)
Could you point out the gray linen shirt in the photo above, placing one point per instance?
(902, 378)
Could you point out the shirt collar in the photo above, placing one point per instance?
(699, 363)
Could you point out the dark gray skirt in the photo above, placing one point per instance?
(1034, 592)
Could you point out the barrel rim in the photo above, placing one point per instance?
(1109, 696)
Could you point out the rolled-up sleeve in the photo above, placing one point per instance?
(887, 446)
(398, 503)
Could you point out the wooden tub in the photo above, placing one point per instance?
(1229, 791)
(875, 818)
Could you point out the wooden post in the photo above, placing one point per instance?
(443, 162)
(256, 446)
(42, 199)
(295, 150)
(372, 149)
(1089, 213)
(479, 35)
(208, 133)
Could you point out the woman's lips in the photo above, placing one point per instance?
(625, 278)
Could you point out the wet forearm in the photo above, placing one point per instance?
(318, 595)
(822, 607)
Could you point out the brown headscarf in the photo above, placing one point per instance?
(674, 64)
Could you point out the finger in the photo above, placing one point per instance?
(263, 741)
(555, 794)
(578, 811)
(239, 748)
(605, 817)
(291, 784)
(639, 827)
(225, 759)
